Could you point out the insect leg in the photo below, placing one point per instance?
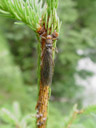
(56, 38)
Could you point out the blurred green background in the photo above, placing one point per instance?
(18, 63)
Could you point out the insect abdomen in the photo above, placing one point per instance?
(47, 67)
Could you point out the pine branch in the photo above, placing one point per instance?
(77, 114)
(29, 12)
(51, 18)
(72, 117)
(49, 24)
(44, 21)
(89, 110)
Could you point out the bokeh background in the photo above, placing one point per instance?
(74, 80)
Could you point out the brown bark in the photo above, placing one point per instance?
(42, 106)
(46, 73)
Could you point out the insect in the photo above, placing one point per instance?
(47, 63)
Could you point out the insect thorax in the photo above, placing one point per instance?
(49, 43)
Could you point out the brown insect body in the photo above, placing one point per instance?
(47, 62)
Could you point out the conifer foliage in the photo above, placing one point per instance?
(43, 20)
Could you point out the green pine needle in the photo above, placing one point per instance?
(29, 12)
(89, 110)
